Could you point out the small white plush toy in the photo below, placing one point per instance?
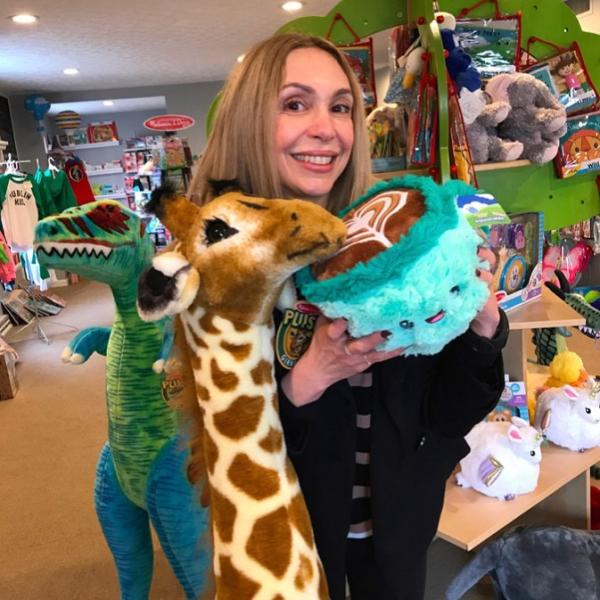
(504, 460)
(570, 416)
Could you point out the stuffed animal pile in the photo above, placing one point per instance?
(516, 110)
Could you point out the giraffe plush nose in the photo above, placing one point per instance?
(156, 281)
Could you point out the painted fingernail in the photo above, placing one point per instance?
(386, 334)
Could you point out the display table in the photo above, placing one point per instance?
(562, 496)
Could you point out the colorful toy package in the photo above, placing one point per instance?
(518, 246)
(512, 403)
(579, 149)
(566, 77)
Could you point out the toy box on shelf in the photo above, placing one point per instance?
(512, 403)
(518, 246)
(102, 132)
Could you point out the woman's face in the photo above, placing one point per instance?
(314, 132)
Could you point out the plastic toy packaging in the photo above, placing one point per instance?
(172, 155)
(493, 44)
(566, 77)
(462, 163)
(579, 148)
(422, 124)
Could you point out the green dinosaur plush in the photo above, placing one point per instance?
(141, 474)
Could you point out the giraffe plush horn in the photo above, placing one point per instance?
(175, 211)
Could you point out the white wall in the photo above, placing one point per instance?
(591, 22)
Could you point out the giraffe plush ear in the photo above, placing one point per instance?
(175, 211)
(222, 186)
(168, 287)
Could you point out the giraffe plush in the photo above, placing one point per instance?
(223, 278)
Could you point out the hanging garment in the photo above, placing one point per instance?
(55, 186)
(75, 170)
(7, 268)
(20, 197)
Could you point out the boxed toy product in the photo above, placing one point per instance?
(518, 246)
(579, 149)
(512, 403)
(102, 132)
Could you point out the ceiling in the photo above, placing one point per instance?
(95, 107)
(131, 43)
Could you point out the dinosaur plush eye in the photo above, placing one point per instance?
(455, 289)
(532, 453)
(406, 324)
(588, 411)
(217, 230)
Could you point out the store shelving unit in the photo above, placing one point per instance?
(99, 172)
(92, 146)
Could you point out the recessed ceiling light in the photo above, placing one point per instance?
(71, 71)
(240, 58)
(24, 19)
(292, 6)
(108, 102)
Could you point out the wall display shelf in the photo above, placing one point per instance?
(116, 196)
(92, 146)
(100, 172)
(495, 166)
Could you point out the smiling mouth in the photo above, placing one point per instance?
(313, 159)
(437, 317)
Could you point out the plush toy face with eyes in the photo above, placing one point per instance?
(408, 267)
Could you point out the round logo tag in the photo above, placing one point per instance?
(295, 332)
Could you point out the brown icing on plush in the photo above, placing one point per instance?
(372, 228)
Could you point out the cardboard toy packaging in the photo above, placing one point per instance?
(8, 376)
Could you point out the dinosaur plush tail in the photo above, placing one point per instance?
(485, 561)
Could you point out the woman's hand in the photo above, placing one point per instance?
(487, 319)
(330, 357)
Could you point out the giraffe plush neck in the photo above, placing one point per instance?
(223, 278)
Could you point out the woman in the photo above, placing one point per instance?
(373, 435)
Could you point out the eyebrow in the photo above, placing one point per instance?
(310, 90)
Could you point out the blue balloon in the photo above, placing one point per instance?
(38, 106)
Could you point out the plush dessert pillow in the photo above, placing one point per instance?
(408, 266)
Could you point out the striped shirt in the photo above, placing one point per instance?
(361, 525)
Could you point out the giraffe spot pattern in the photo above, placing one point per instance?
(255, 481)
(278, 597)
(211, 452)
(262, 373)
(224, 514)
(226, 381)
(241, 418)
(270, 542)
(290, 472)
(202, 392)
(206, 323)
(240, 327)
(323, 588)
(232, 584)
(305, 573)
(198, 341)
(239, 351)
(275, 402)
(196, 362)
(300, 519)
(272, 442)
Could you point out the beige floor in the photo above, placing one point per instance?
(50, 436)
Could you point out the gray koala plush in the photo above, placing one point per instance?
(537, 118)
(531, 563)
(482, 117)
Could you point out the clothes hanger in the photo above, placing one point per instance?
(52, 166)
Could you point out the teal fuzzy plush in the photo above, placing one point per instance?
(423, 288)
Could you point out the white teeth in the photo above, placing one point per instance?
(315, 160)
(90, 250)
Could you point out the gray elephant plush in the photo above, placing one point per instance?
(482, 117)
(528, 563)
(536, 119)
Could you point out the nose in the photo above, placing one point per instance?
(322, 126)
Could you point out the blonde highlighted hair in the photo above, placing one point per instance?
(240, 145)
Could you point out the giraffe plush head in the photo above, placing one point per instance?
(234, 253)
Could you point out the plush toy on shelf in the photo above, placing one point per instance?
(504, 460)
(568, 409)
(482, 117)
(408, 266)
(536, 119)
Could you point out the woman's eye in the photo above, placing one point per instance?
(216, 230)
(293, 105)
(342, 108)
